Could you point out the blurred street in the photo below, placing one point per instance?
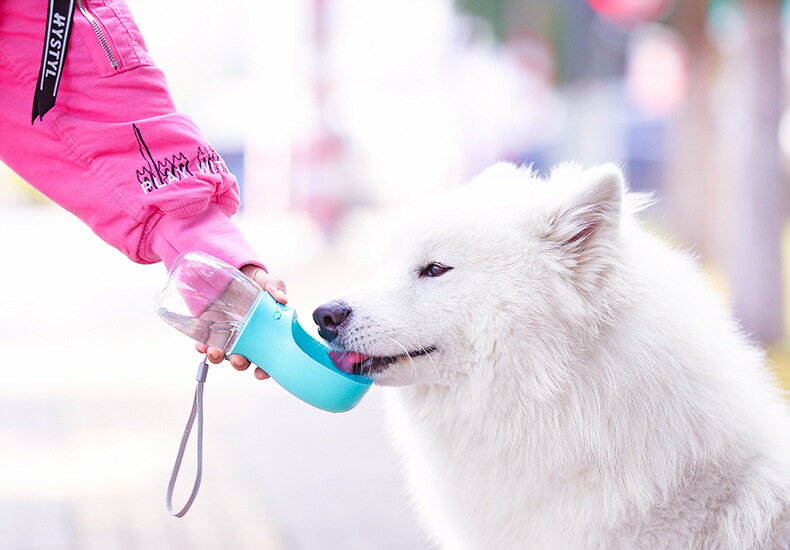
(94, 395)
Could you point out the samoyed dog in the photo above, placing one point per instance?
(565, 380)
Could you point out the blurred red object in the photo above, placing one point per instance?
(630, 11)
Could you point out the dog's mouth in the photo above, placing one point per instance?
(354, 362)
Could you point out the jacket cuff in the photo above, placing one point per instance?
(211, 231)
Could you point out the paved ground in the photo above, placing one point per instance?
(94, 393)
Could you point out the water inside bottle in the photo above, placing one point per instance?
(217, 333)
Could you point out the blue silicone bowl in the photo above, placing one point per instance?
(272, 337)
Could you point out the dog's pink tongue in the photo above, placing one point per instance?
(345, 360)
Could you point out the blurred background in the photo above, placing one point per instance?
(330, 113)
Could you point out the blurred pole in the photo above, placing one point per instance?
(321, 174)
(758, 208)
(691, 181)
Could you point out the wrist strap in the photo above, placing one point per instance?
(197, 412)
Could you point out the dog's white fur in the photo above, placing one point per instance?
(588, 389)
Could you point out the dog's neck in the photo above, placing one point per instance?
(556, 419)
(483, 414)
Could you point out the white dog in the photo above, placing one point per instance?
(567, 380)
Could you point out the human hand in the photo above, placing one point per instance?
(272, 285)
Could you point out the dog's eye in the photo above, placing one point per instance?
(434, 269)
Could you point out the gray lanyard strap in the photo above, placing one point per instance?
(197, 412)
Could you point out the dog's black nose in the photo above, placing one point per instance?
(329, 317)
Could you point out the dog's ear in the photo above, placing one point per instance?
(591, 216)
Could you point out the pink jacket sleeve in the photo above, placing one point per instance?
(114, 151)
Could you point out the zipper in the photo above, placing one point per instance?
(100, 36)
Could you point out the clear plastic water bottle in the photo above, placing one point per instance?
(216, 304)
(206, 299)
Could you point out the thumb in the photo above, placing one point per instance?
(272, 285)
(276, 287)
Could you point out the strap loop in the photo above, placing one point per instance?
(56, 44)
(197, 412)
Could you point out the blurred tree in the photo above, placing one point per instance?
(565, 24)
(492, 11)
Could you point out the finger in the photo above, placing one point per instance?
(260, 374)
(239, 362)
(215, 355)
(201, 347)
(276, 287)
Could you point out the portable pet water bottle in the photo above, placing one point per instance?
(216, 304)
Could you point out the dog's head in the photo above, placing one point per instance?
(507, 264)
